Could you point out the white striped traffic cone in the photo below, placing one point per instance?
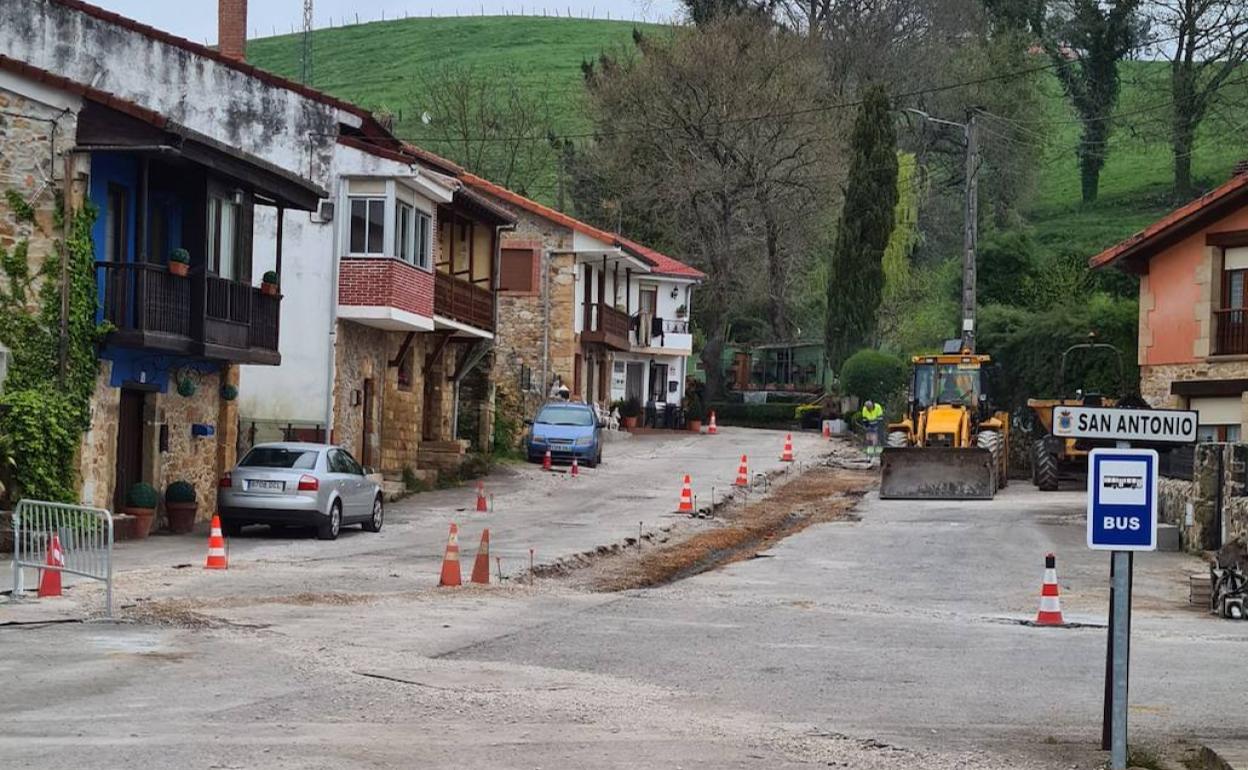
(686, 497)
(1050, 602)
(743, 473)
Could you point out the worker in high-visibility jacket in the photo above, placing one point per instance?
(873, 423)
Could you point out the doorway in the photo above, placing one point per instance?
(366, 446)
(658, 383)
(129, 470)
(634, 381)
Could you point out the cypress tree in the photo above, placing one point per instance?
(856, 264)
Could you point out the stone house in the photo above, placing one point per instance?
(96, 110)
(1193, 328)
(606, 315)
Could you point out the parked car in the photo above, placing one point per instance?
(302, 485)
(568, 429)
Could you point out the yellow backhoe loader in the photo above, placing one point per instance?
(951, 445)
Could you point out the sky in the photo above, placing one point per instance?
(197, 19)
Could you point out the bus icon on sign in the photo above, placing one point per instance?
(1122, 499)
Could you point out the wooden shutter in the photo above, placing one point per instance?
(519, 270)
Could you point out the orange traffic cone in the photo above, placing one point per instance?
(50, 579)
(546, 461)
(787, 455)
(1050, 603)
(576, 467)
(712, 429)
(481, 567)
(686, 497)
(217, 558)
(827, 430)
(451, 575)
(482, 506)
(743, 473)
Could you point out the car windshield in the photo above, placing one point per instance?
(279, 457)
(565, 415)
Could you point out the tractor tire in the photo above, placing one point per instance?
(897, 439)
(991, 440)
(1044, 467)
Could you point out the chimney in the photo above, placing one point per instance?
(1241, 168)
(232, 28)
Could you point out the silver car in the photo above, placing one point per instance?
(301, 485)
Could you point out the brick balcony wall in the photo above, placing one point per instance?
(384, 282)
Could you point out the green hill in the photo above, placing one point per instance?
(378, 65)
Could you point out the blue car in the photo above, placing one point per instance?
(568, 430)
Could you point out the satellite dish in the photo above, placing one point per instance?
(426, 118)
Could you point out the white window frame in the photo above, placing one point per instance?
(368, 199)
(423, 238)
(405, 231)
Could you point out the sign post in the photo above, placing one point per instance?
(1122, 518)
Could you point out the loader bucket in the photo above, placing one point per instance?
(936, 473)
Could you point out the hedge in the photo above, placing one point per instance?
(754, 415)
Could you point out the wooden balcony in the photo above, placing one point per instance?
(1231, 332)
(462, 301)
(606, 325)
(151, 308)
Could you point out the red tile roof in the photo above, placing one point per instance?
(1213, 205)
(662, 264)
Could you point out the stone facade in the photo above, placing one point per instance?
(522, 317)
(1204, 493)
(97, 459)
(1155, 381)
(360, 355)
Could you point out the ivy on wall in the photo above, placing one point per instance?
(45, 407)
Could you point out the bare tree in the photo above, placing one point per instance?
(1206, 42)
(713, 144)
(489, 121)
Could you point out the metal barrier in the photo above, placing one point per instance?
(86, 540)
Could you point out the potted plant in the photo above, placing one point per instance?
(180, 262)
(181, 507)
(694, 412)
(682, 311)
(186, 386)
(141, 501)
(228, 392)
(268, 283)
(630, 410)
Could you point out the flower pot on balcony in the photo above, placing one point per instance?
(269, 289)
(268, 283)
(180, 269)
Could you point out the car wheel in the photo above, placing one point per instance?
(332, 525)
(231, 528)
(375, 521)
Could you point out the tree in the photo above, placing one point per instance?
(489, 121)
(1206, 41)
(711, 145)
(856, 271)
(1086, 40)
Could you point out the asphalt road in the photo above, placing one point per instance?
(886, 643)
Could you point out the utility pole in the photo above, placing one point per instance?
(306, 73)
(970, 224)
(970, 232)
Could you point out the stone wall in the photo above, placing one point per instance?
(1155, 381)
(97, 458)
(1201, 495)
(402, 410)
(360, 355)
(199, 460)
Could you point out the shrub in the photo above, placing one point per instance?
(181, 256)
(270, 276)
(753, 415)
(631, 408)
(142, 495)
(873, 374)
(507, 431)
(180, 492)
(228, 392)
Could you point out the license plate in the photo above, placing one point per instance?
(268, 486)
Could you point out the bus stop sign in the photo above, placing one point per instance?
(1122, 500)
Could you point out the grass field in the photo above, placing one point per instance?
(379, 65)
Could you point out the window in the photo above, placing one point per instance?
(368, 228)
(115, 224)
(405, 232)
(279, 457)
(518, 270)
(424, 240)
(1206, 434)
(341, 462)
(223, 236)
